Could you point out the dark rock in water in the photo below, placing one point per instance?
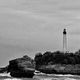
(22, 67)
(4, 69)
(28, 73)
(60, 69)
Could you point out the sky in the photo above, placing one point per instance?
(31, 26)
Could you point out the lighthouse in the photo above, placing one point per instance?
(64, 41)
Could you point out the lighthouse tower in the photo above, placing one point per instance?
(64, 41)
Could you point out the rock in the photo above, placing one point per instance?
(46, 69)
(22, 67)
(4, 69)
(60, 69)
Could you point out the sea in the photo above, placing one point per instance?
(42, 77)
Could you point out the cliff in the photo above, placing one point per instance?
(21, 67)
(4, 69)
(58, 62)
(60, 69)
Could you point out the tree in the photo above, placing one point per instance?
(77, 52)
(38, 60)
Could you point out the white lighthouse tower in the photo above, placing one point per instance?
(64, 41)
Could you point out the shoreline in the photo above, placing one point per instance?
(47, 77)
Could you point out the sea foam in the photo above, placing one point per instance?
(69, 79)
(5, 74)
(12, 79)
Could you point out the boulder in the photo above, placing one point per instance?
(22, 67)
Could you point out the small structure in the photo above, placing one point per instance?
(64, 41)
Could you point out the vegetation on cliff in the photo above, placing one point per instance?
(58, 62)
(57, 58)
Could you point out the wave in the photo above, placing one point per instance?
(5, 74)
(56, 77)
(48, 77)
(12, 79)
(60, 75)
(70, 79)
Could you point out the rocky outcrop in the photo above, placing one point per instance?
(60, 69)
(21, 67)
(46, 69)
(4, 69)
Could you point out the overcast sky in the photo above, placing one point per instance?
(31, 26)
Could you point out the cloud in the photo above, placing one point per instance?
(37, 25)
(75, 33)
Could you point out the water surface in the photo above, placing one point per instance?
(42, 77)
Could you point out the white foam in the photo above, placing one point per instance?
(64, 75)
(12, 79)
(5, 74)
(69, 79)
(46, 79)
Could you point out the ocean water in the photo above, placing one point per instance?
(42, 77)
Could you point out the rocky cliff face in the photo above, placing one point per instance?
(21, 67)
(4, 69)
(60, 69)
